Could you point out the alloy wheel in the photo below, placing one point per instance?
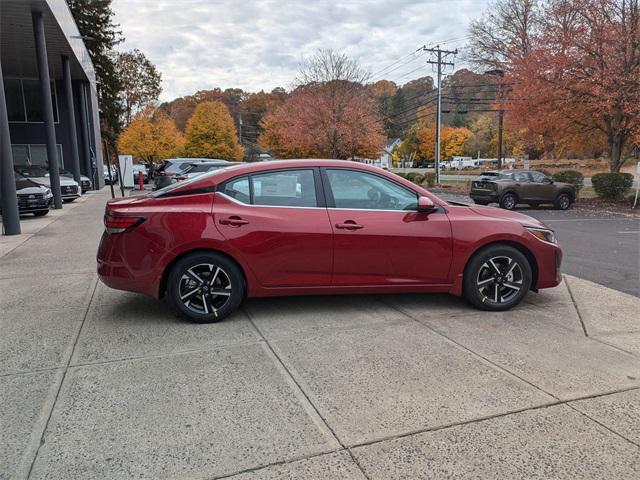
(564, 202)
(499, 280)
(205, 288)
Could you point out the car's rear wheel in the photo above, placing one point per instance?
(563, 201)
(205, 287)
(508, 201)
(497, 278)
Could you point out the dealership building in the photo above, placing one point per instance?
(48, 102)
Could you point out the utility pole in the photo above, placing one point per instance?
(240, 127)
(439, 58)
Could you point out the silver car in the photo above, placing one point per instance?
(69, 188)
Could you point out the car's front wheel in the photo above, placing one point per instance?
(205, 287)
(497, 278)
(508, 201)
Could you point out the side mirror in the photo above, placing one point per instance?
(426, 205)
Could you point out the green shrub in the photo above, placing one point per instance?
(573, 177)
(412, 175)
(612, 185)
(417, 179)
(430, 178)
(401, 174)
(543, 171)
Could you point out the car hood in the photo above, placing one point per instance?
(499, 213)
(67, 182)
(24, 186)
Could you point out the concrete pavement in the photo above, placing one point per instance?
(97, 383)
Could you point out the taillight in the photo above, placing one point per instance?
(120, 224)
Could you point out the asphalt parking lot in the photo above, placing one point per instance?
(97, 383)
(603, 248)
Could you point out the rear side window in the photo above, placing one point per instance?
(286, 188)
(291, 188)
(238, 189)
(521, 177)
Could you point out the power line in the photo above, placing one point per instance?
(439, 60)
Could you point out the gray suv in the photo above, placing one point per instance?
(508, 188)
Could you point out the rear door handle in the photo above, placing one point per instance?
(349, 225)
(233, 221)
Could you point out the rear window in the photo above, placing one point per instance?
(285, 188)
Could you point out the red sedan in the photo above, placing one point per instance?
(302, 227)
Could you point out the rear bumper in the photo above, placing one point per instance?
(117, 272)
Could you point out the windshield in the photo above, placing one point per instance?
(33, 171)
(162, 191)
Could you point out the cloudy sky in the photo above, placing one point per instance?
(258, 44)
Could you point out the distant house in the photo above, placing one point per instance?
(384, 160)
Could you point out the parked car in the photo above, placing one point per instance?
(69, 188)
(199, 168)
(140, 169)
(166, 174)
(32, 197)
(114, 174)
(175, 166)
(300, 227)
(85, 182)
(509, 188)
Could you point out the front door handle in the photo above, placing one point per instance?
(233, 221)
(349, 225)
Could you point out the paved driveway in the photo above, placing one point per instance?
(97, 383)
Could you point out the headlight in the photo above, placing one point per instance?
(543, 234)
(47, 193)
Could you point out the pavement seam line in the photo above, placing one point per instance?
(575, 305)
(500, 367)
(467, 349)
(293, 379)
(275, 464)
(602, 424)
(64, 376)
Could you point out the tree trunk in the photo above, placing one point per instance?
(616, 144)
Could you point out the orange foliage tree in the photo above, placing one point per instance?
(330, 115)
(452, 141)
(151, 136)
(211, 133)
(576, 79)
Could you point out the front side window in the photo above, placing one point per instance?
(289, 188)
(365, 191)
(521, 177)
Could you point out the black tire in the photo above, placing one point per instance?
(481, 292)
(562, 201)
(41, 213)
(481, 202)
(508, 201)
(202, 306)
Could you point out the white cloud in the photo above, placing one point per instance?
(254, 45)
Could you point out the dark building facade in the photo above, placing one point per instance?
(40, 45)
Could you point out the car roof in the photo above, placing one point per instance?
(198, 160)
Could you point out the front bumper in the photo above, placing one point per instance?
(35, 204)
(484, 195)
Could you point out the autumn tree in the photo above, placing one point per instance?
(151, 136)
(452, 141)
(211, 133)
(140, 81)
(330, 114)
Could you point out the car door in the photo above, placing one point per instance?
(542, 189)
(379, 236)
(276, 220)
(523, 186)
